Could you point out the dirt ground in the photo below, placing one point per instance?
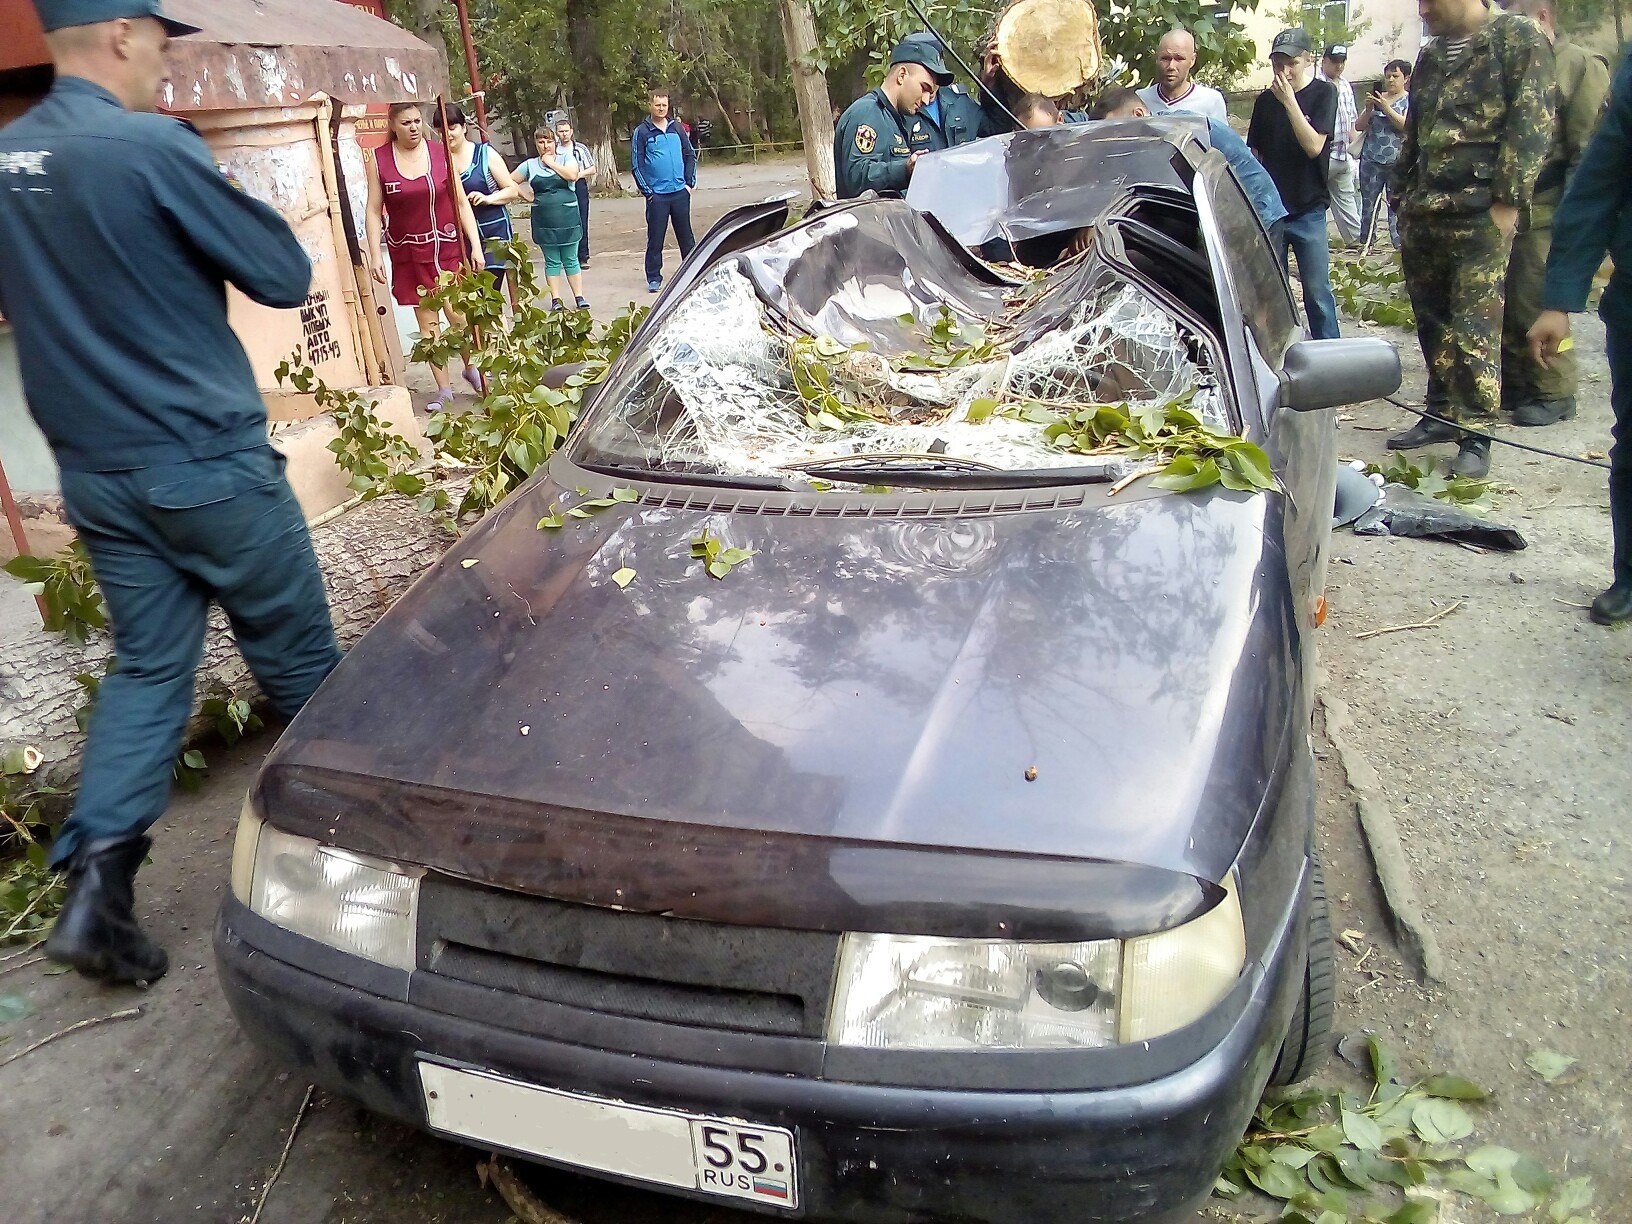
(1500, 737)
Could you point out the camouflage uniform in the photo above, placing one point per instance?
(1583, 89)
(1477, 135)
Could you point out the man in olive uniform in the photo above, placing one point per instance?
(1480, 125)
(1595, 218)
(117, 233)
(1537, 394)
(880, 136)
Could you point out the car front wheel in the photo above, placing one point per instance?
(1308, 1040)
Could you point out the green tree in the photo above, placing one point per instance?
(1128, 32)
(1330, 22)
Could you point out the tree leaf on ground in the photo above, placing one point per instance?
(1277, 1181)
(1572, 1196)
(1362, 1131)
(1292, 1156)
(1453, 1087)
(1441, 1121)
(624, 576)
(14, 1006)
(1419, 1211)
(1549, 1064)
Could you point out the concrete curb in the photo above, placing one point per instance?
(1384, 842)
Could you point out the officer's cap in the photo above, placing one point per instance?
(59, 14)
(1292, 42)
(922, 49)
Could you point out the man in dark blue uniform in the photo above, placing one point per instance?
(1593, 219)
(880, 136)
(117, 233)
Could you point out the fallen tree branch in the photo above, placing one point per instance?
(130, 1013)
(288, 1145)
(22, 951)
(528, 1207)
(1426, 624)
(33, 960)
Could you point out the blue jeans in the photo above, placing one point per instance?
(1305, 236)
(164, 541)
(661, 210)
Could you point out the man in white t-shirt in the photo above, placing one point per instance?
(1341, 171)
(1173, 89)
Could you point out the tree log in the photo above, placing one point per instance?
(368, 555)
(810, 91)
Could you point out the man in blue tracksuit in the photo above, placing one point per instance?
(665, 165)
(117, 233)
(1593, 219)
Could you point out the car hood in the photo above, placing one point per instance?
(1092, 680)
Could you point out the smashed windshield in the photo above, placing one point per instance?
(869, 334)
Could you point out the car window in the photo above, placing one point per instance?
(1254, 269)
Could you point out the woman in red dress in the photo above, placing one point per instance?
(426, 222)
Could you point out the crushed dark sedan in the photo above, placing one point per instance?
(884, 814)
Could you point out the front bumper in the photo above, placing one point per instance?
(875, 1154)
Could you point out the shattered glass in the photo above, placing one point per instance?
(715, 391)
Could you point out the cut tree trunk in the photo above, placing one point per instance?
(368, 555)
(810, 91)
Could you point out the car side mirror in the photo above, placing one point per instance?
(1319, 374)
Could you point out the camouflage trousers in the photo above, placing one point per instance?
(1524, 379)
(1456, 275)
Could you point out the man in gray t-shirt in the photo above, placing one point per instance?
(1173, 89)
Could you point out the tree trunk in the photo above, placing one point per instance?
(810, 90)
(369, 555)
(725, 115)
(425, 21)
(588, 91)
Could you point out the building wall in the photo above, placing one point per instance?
(1394, 32)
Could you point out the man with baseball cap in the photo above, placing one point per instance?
(880, 135)
(1342, 171)
(118, 235)
(1291, 133)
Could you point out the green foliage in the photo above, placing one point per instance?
(1458, 490)
(378, 458)
(1198, 456)
(717, 559)
(558, 518)
(231, 716)
(1388, 1156)
(1128, 33)
(30, 892)
(74, 606)
(1327, 23)
(520, 422)
(1372, 287)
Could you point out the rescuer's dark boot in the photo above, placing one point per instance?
(96, 932)
(1614, 606)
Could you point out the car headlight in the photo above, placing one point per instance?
(349, 901)
(918, 992)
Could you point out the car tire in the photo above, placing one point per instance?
(1308, 1040)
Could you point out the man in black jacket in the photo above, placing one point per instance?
(1595, 218)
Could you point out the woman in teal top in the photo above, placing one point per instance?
(547, 180)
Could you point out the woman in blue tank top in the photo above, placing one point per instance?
(489, 186)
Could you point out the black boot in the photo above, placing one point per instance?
(1615, 605)
(1423, 433)
(1472, 458)
(1537, 413)
(96, 932)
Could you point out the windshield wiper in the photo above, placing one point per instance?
(932, 471)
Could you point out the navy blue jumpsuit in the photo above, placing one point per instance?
(118, 234)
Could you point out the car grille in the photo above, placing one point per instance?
(671, 970)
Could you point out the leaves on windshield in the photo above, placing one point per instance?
(1197, 455)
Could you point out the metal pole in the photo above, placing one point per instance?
(480, 95)
(18, 536)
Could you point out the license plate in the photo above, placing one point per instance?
(723, 1156)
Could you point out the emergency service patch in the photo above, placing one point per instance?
(866, 139)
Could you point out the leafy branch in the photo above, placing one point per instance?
(1372, 287)
(718, 559)
(1388, 1156)
(1197, 455)
(74, 606)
